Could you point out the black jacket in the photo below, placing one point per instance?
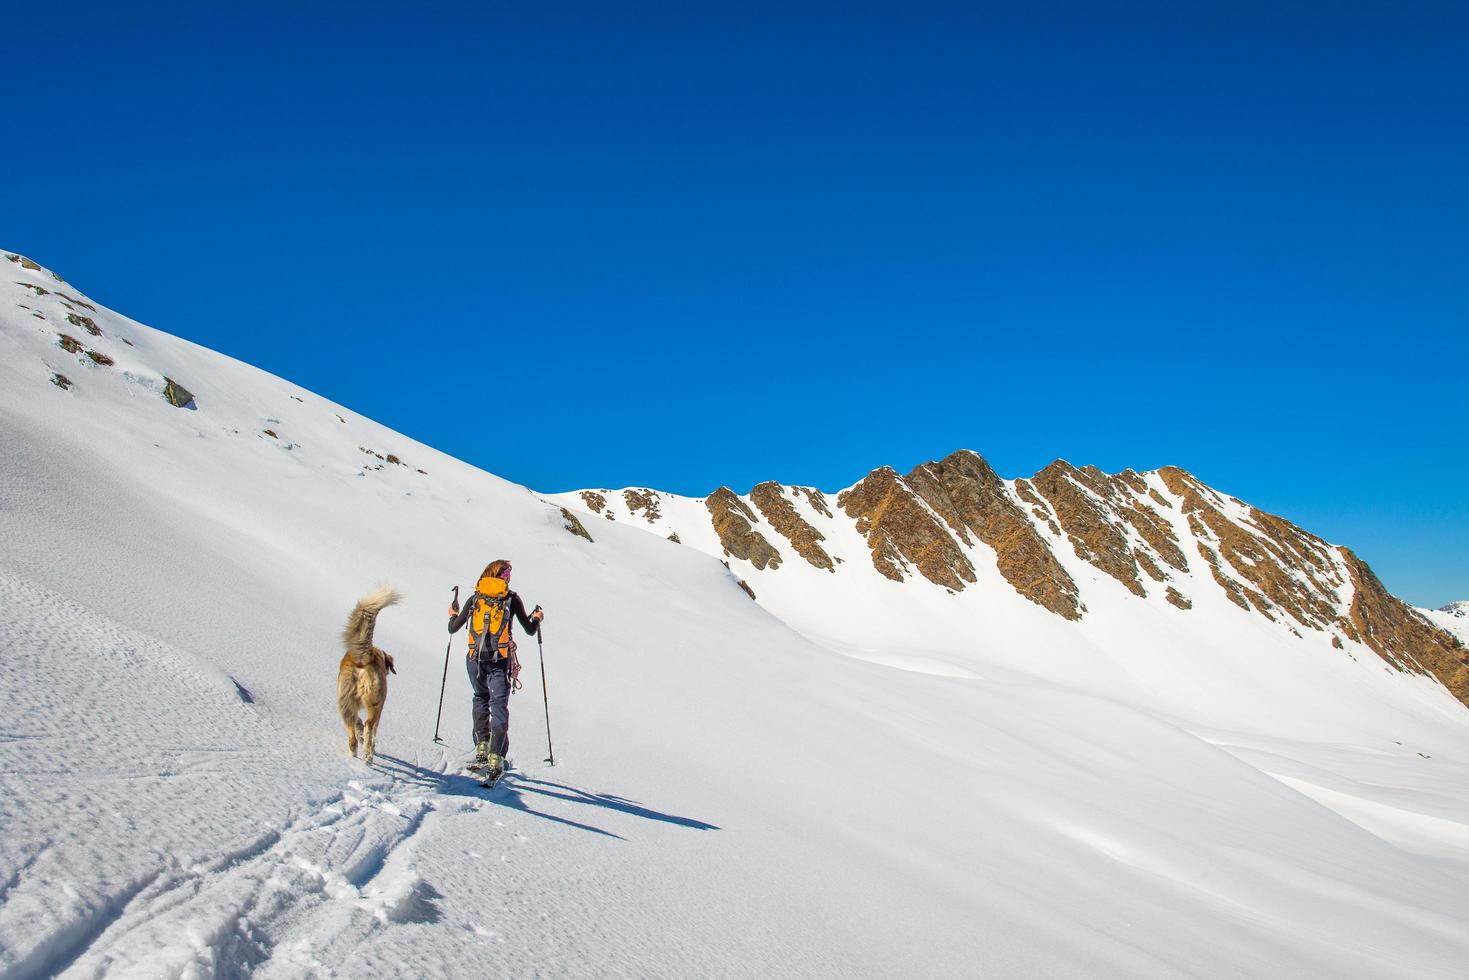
(517, 608)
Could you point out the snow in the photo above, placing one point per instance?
(1453, 617)
(850, 777)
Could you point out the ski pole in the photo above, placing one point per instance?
(540, 647)
(445, 681)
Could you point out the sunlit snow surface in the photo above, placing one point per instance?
(972, 788)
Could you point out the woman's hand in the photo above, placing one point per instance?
(453, 610)
(537, 615)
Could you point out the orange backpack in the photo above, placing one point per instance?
(489, 620)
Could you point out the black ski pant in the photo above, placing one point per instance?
(491, 682)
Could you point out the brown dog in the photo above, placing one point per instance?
(362, 678)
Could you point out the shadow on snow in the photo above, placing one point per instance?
(512, 791)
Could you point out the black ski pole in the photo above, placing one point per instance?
(541, 648)
(445, 681)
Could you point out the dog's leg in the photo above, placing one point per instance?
(347, 704)
(369, 730)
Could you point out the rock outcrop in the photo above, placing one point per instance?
(903, 532)
(1399, 634)
(781, 514)
(642, 500)
(574, 525)
(1091, 525)
(733, 522)
(972, 499)
(1262, 561)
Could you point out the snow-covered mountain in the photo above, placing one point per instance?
(1149, 566)
(970, 726)
(1453, 617)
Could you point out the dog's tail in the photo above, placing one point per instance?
(357, 634)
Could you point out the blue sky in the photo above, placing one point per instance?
(684, 247)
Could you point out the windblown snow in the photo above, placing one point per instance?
(878, 783)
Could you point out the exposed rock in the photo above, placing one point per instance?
(971, 497)
(815, 498)
(38, 290)
(595, 502)
(270, 432)
(69, 343)
(61, 381)
(1133, 481)
(1178, 598)
(1289, 568)
(1026, 492)
(733, 523)
(1094, 535)
(781, 514)
(748, 591)
(673, 536)
(100, 358)
(85, 322)
(1156, 531)
(72, 299)
(642, 500)
(573, 525)
(1401, 635)
(1230, 586)
(901, 531)
(394, 460)
(1148, 565)
(176, 394)
(25, 263)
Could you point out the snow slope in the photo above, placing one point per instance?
(1453, 617)
(730, 797)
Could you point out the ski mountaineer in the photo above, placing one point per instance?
(494, 669)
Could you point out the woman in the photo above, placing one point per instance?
(493, 666)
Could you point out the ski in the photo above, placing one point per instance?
(481, 773)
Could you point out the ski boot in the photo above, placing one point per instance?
(481, 758)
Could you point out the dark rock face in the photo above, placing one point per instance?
(1092, 527)
(574, 525)
(1284, 568)
(176, 394)
(902, 532)
(85, 322)
(815, 497)
(642, 500)
(1400, 635)
(595, 502)
(781, 514)
(971, 498)
(733, 523)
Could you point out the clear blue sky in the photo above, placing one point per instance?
(794, 243)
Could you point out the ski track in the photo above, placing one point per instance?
(229, 882)
(277, 905)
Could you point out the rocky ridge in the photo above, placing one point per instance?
(1162, 536)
